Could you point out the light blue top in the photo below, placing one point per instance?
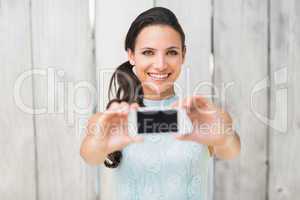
(160, 168)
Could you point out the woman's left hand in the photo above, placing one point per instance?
(211, 125)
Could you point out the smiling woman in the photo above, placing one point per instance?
(157, 58)
(156, 166)
(155, 44)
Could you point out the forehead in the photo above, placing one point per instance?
(158, 37)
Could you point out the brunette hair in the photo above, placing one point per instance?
(129, 87)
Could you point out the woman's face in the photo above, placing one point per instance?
(157, 58)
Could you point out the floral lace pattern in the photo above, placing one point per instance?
(162, 168)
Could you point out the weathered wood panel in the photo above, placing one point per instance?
(284, 174)
(195, 19)
(113, 19)
(17, 152)
(241, 65)
(55, 38)
(62, 51)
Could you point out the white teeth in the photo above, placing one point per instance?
(158, 76)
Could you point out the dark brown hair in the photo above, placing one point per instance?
(129, 87)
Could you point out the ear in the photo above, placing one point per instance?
(130, 55)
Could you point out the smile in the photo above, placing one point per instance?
(159, 77)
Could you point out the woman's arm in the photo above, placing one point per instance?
(93, 149)
(212, 127)
(106, 133)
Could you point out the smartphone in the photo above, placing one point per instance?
(147, 120)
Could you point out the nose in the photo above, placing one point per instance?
(160, 62)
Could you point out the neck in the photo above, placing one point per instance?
(159, 96)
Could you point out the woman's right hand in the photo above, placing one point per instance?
(109, 128)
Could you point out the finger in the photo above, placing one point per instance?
(195, 103)
(188, 137)
(134, 106)
(185, 103)
(110, 119)
(182, 104)
(115, 116)
(118, 143)
(101, 118)
(198, 106)
(94, 118)
(190, 101)
(124, 104)
(137, 139)
(132, 139)
(110, 114)
(114, 106)
(201, 100)
(120, 109)
(208, 139)
(203, 105)
(99, 124)
(92, 127)
(124, 108)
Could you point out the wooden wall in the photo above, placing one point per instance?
(242, 54)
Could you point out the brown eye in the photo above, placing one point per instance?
(172, 53)
(148, 53)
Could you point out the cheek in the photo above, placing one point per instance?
(142, 67)
(178, 61)
(176, 67)
(175, 61)
(176, 73)
(141, 72)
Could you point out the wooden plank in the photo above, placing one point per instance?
(110, 32)
(113, 19)
(241, 66)
(284, 176)
(195, 19)
(17, 168)
(196, 76)
(62, 41)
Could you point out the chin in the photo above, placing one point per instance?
(161, 91)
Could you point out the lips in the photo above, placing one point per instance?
(159, 76)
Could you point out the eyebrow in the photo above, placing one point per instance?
(172, 47)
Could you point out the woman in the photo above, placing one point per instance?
(165, 166)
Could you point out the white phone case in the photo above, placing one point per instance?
(183, 121)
